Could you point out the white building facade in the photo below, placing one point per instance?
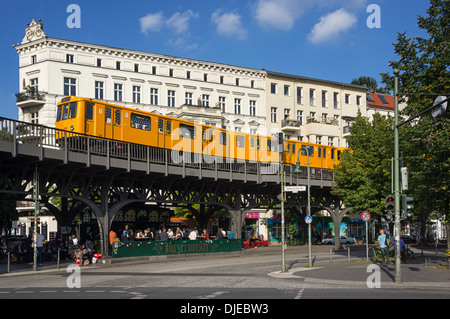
(205, 92)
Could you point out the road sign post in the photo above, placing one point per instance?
(366, 217)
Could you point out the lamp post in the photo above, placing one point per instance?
(297, 171)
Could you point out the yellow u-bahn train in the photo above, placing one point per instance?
(110, 121)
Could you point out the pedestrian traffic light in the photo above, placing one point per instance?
(390, 199)
(407, 205)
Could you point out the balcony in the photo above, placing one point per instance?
(288, 125)
(30, 97)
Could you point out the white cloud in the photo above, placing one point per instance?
(151, 22)
(331, 26)
(179, 22)
(278, 14)
(229, 24)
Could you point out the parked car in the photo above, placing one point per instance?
(343, 240)
(408, 239)
(259, 242)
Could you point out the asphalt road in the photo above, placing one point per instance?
(231, 279)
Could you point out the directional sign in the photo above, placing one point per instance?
(308, 219)
(294, 189)
(365, 216)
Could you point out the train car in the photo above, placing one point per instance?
(81, 117)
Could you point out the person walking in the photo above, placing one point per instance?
(382, 244)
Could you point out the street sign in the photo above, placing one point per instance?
(294, 189)
(308, 219)
(365, 216)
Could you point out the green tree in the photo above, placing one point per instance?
(368, 81)
(424, 65)
(363, 174)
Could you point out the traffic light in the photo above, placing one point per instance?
(390, 203)
(407, 205)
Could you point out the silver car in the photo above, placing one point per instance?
(343, 240)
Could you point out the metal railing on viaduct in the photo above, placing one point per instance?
(106, 175)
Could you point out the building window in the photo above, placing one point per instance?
(99, 62)
(34, 85)
(153, 69)
(336, 100)
(330, 140)
(70, 86)
(99, 90)
(221, 79)
(188, 74)
(286, 113)
(118, 92)
(117, 65)
(34, 118)
(136, 67)
(171, 98)
(237, 106)
(188, 98)
(237, 81)
(153, 96)
(286, 90)
(300, 117)
(205, 100)
(33, 59)
(299, 95)
(273, 114)
(171, 72)
(69, 58)
(347, 98)
(252, 84)
(318, 139)
(324, 98)
(205, 77)
(312, 99)
(136, 94)
(358, 100)
(273, 88)
(252, 108)
(222, 103)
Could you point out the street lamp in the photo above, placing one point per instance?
(298, 171)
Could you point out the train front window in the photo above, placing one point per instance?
(65, 111)
(73, 110)
(58, 113)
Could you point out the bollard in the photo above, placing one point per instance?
(9, 257)
(57, 263)
(331, 256)
(348, 254)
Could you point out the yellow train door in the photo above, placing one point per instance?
(109, 122)
(161, 133)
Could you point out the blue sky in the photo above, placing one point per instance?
(325, 39)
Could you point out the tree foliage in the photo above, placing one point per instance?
(370, 82)
(424, 65)
(363, 175)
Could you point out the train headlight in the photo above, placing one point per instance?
(72, 128)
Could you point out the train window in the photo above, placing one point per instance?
(324, 153)
(293, 148)
(319, 152)
(240, 140)
(258, 143)
(58, 113)
(65, 111)
(140, 122)
(89, 114)
(160, 126)
(117, 117)
(168, 127)
(108, 116)
(309, 148)
(187, 131)
(223, 138)
(332, 154)
(73, 110)
(252, 142)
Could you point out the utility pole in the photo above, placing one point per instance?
(36, 213)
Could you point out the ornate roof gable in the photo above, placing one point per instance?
(34, 31)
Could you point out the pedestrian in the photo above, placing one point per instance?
(383, 245)
(126, 234)
(253, 238)
(39, 242)
(112, 240)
